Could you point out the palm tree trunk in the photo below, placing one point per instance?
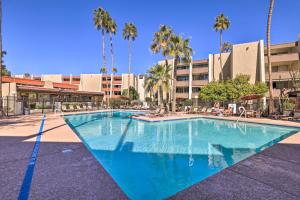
(1, 105)
(129, 64)
(271, 101)
(174, 87)
(112, 63)
(158, 97)
(103, 49)
(221, 68)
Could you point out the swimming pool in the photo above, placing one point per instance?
(154, 160)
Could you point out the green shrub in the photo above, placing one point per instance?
(288, 106)
(115, 103)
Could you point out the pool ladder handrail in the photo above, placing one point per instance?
(243, 111)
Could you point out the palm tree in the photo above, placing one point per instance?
(112, 30)
(227, 47)
(103, 71)
(149, 84)
(159, 79)
(181, 51)
(161, 41)
(114, 71)
(222, 23)
(101, 18)
(1, 55)
(271, 102)
(129, 33)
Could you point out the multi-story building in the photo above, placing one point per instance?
(97, 82)
(246, 58)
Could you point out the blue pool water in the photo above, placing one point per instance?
(154, 160)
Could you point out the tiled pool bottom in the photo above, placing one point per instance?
(157, 160)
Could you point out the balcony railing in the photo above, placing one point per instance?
(289, 57)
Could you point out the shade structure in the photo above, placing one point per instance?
(251, 97)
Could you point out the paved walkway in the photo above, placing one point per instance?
(66, 170)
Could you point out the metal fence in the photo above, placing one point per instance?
(25, 106)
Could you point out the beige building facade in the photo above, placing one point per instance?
(246, 58)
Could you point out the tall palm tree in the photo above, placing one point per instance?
(101, 18)
(1, 54)
(129, 33)
(271, 102)
(222, 23)
(159, 78)
(103, 71)
(161, 41)
(181, 51)
(112, 30)
(149, 85)
(113, 71)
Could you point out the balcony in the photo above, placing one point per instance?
(117, 82)
(200, 70)
(290, 57)
(182, 83)
(199, 82)
(279, 75)
(182, 95)
(182, 71)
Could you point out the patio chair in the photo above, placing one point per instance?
(208, 111)
(227, 112)
(64, 108)
(89, 107)
(71, 108)
(84, 107)
(194, 110)
(203, 110)
(296, 117)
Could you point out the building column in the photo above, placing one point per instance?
(262, 70)
(111, 85)
(190, 78)
(210, 68)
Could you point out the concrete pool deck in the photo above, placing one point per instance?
(65, 169)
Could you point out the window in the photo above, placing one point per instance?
(200, 65)
(116, 86)
(196, 89)
(105, 86)
(283, 68)
(202, 77)
(182, 67)
(182, 78)
(117, 93)
(182, 90)
(275, 69)
(280, 84)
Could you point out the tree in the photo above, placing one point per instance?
(159, 78)
(294, 71)
(227, 47)
(231, 90)
(271, 101)
(129, 33)
(181, 51)
(112, 30)
(161, 41)
(133, 94)
(101, 18)
(222, 23)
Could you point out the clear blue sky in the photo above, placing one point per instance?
(58, 36)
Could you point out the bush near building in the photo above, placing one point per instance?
(231, 90)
